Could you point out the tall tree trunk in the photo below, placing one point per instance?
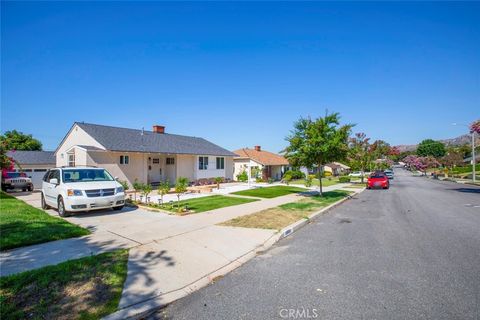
(362, 174)
(320, 174)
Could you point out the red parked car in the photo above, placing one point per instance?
(378, 180)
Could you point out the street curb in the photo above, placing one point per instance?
(143, 309)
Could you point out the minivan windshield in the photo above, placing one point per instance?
(86, 175)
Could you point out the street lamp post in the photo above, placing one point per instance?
(473, 149)
(473, 156)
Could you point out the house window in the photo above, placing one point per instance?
(71, 160)
(156, 161)
(124, 159)
(170, 160)
(202, 163)
(220, 163)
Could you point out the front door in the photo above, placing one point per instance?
(154, 170)
(170, 169)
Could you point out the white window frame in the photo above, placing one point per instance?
(124, 159)
(71, 159)
(222, 163)
(202, 164)
(170, 161)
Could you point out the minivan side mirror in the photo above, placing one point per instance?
(116, 178)
(54, 181)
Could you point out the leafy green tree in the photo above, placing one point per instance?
(137, 186)
(243, 176)
(429, 147)
(180, 188)
(380, 149)
(218, 180)
(453, 157)
(359, 152)
(124, 184)
(146, 190)
(15, 140)
(309, 180)
(163, 189)
(287, 178)
(317, 142)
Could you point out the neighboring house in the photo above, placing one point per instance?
(33, 163)
(145, 156)
(270, 165)
(468, 160)
(336, 168)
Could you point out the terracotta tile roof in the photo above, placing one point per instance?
(263, 157)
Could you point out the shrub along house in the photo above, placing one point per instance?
(270, 165)
(146, 156)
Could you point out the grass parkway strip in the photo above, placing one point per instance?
(86, 288)
(286, 214)
(23, 225)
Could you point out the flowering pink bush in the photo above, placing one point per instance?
(421, 163)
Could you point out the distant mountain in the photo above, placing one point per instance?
(458, 141)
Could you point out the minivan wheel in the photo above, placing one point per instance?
(44, 204)
(61, 208)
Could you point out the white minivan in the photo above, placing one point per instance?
(71, 189)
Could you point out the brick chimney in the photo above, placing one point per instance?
(257, 148)
(158, 129)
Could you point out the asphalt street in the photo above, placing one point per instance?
(410, 252)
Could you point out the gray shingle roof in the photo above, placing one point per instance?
(33, 157)
(124, 139)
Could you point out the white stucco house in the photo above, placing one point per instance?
(142, 155)
(270, 165)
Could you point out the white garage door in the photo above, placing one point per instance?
(36, 175)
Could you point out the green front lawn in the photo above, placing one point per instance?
(23, 225)
(286, 214)
(270, 192)
(87, 288)
(204, 203)
(315, 182)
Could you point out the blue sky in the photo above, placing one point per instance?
(239, 74)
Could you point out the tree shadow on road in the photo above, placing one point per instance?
(467, 190)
